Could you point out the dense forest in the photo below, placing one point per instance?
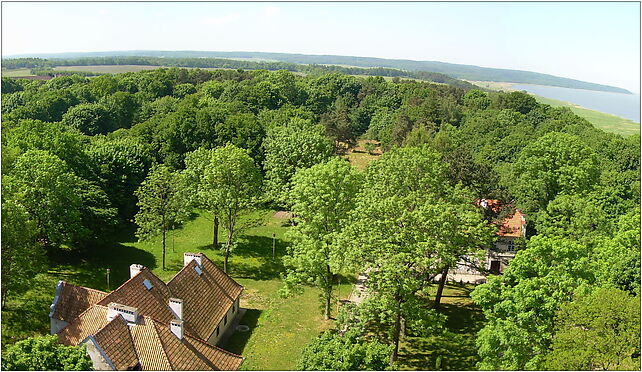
(458, 71)
(82, 157)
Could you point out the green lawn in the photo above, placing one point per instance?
(280, 327)
(457, 345)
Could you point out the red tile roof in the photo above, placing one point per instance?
(73, 300)
(513, 225)
(149, 341)
(206, 297)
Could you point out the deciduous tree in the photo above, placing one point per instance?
(159, 204)
(231, 185)
(45, 354)
(600, 331)
(322, 197)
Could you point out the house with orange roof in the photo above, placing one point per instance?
(511, 228)
(497, 257)
(146, 324)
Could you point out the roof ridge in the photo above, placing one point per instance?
(180, 271)
(88, 288)
(225, 292)
(144, 270)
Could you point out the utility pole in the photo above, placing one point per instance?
(108, 271)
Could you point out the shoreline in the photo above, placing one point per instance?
(600, 119)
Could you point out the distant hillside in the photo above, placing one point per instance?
(75, 65)
(467, 72)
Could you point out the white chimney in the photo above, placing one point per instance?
(135, 269)
(130, 314)
(188, 257)
(176, 326)
(484, 203)
(176, 304)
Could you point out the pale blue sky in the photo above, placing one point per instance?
(596, 42)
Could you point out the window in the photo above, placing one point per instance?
(511, 246)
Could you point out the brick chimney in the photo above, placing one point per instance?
(176, 304)
(176, 326)
(135, 269)
(188, 257)
(130, 314)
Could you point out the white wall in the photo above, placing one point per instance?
(56, 325)
(100, 363)
(222, 326)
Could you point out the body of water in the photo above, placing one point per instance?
(620, 104)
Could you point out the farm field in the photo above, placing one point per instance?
(17, 72)
(604, 121)
(106, 69)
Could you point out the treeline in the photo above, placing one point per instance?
(81, 156)
(453, 70)
(45, 67)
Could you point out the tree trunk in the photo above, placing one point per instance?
(215, 240)
(164, 233)
(395, 351)
(328, 291)
(228, 247)
(440, 289)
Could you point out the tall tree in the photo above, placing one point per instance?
(159, 204)
(22, 257)
(556, 163)
(349, 352)
(51, 195)
(600, 331)
(193, 176)
(299, 144)
(408, 225)
(232, 184)
(520, 305)
(322, 197)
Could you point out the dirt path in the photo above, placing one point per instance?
(359, 292)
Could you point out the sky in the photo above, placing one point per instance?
(595, 42)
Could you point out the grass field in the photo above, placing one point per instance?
(107, 69)
(16, 72)
(456, 346)
(604, 121)
(280, 327)
(359, 157)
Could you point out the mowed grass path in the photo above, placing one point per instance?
(280, 327)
